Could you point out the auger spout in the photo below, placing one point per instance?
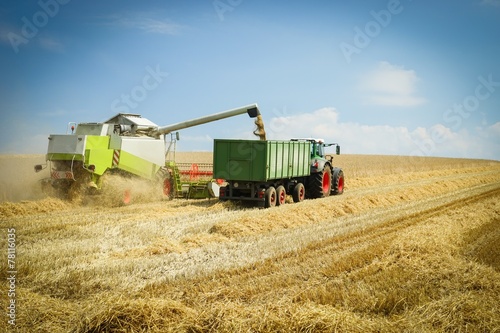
(252, 110)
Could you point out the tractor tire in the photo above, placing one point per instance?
(321, 183)
(338, 181)
(299, 193)
(270, 197)
(280, 195)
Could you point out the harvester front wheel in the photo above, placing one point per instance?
(321, 183)
(280, 195)
(270, 197)
(168, 188)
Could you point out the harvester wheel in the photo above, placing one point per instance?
(321, 183)
(299, 192)
(338, 181)
(280, 195)
(168, 189)
(270, 197)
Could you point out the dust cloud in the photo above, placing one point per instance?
(18, 180)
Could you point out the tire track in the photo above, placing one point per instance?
(342, 236)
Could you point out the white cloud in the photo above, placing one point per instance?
(154, 26)
(495, 3)
(356, 138)
(51, 44)
(494, 131)
(390, 85)
(145, 22)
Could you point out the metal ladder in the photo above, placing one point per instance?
(177, 178)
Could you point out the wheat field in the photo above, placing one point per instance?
(413, 245)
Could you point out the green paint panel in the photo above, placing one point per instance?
(97, 142)
(100, 158)
(97, 153)
(252, 160)
(137, 165)
(64, 157)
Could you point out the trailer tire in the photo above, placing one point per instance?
(280, 195)
(321, 183)
(299, 192)
(270, 197)
(338, 181)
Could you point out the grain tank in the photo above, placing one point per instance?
(126, 144)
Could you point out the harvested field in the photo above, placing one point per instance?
(412, 245)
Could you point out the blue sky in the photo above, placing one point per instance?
(378, 77)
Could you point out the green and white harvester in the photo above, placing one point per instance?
(128, 145)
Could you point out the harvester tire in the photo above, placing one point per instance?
(338, 181)
(299, 192)
(168, 188)
(270, 197)
(280, 195)
(321, 183)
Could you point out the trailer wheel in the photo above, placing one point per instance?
(299, 193)
(321, 183)
(281, 195)
(270, 197)
(338, 181)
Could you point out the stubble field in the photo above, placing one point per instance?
(411, 246)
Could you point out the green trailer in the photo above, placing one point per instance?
(267, 171)
(260, 161)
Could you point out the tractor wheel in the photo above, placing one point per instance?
(321, 183)
(338, 181)
(280, 195)
(299, 192)
(270, 197)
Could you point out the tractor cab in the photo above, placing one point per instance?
(318, 147)
(325, 179)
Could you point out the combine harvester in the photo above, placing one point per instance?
(131, 146)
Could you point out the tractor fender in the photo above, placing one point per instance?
(318, 165)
